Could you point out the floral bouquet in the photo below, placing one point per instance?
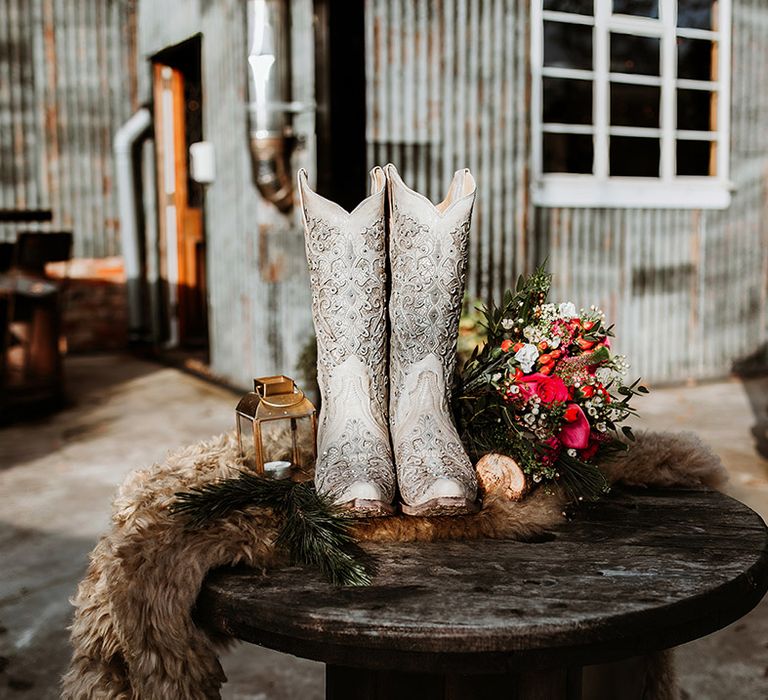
(546, 390)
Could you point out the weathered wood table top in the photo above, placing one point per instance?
(639, 571)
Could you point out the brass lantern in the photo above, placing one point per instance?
(266, 416)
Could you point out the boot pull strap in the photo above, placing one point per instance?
(301, 183)
(378, 179)
(457, 186)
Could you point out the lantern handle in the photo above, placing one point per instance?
(298, 393)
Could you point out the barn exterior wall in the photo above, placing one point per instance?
(448, 87)
(67, 82)
(259, 306)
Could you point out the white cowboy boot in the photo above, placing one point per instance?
(346, 253)
(428, 257)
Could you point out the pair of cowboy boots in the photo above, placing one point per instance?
(385, 421)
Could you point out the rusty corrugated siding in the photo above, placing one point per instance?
(447, 88)
(67, 82)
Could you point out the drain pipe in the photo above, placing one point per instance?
(126, 138)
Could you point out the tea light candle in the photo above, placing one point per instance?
(277, 470)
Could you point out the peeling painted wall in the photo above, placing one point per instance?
(67, 82)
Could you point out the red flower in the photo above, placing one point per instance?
(552, 448)
(548, 389)
(590, 450)
(506, 345)
(575, 432)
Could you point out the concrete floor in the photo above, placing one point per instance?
(57, 477)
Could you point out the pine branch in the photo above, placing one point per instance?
(580, 480)
(311, 529)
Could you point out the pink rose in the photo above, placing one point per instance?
(552, 390)
(575, 430)
(548, 389)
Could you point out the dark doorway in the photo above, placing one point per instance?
(178, 111)
(340, 87)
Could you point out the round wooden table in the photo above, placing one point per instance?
(637, 572)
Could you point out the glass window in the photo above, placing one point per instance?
(696, 14)
(567, 45)
(696, 110)
(568, 153)
(634, 157)
(635, 54)
(635, 105)
(641, 8)
(638, 116)
(695, 59)
(579, 7)
(696, 158)
(567, 101)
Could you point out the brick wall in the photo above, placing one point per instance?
(95, 313)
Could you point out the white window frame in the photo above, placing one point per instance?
(599, 189)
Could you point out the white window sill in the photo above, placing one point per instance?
(623, 193)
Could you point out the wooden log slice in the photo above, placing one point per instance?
(501, 475)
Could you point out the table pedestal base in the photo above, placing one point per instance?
(345, 683)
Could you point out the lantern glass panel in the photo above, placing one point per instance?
(245, 429)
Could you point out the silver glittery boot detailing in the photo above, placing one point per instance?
(428, 257)
(346, 253)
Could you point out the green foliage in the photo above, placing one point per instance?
(311, 529)
(487, 425)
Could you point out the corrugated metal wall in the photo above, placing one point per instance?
(446, 90)
(448, 83)
(67, 81)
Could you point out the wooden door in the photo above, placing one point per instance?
(180, 221)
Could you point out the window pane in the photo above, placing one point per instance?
(567, 45)
(694, 59)
(567, 153)
(696, 13)
(579, 7)
(642, 8)
(635, 105)
(634, 54)
(634, 157)
(696, 110)
(567, 101)
(696, 158)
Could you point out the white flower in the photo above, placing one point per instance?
(507, 323)
(554, 342)
(530, 332)
(571, 452)
(605, 375)
(567, 310)
(496, 377)
(527, 356)
(514, 389)
(602, 427)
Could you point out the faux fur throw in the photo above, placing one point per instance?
(133, 634)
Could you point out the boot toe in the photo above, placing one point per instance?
(445, 488)
(361, 490)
